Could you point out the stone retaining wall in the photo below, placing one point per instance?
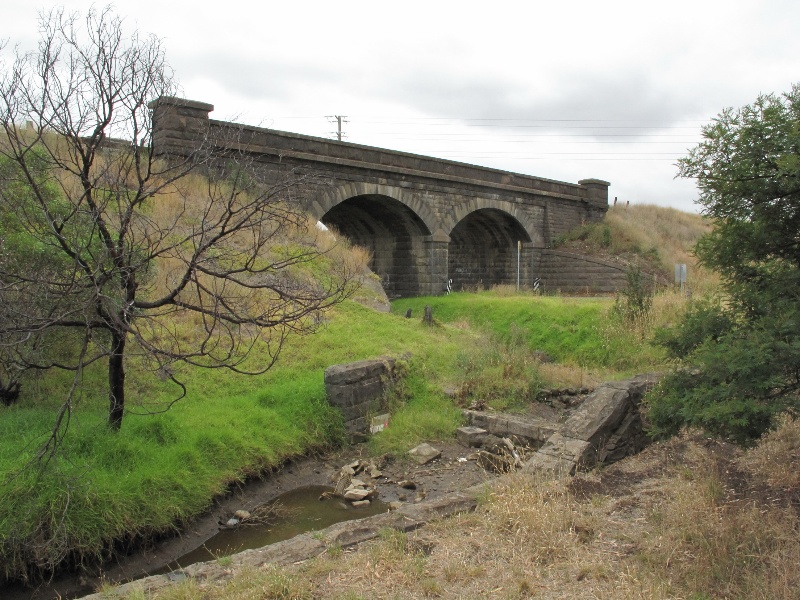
(358, 390)
(576, 273)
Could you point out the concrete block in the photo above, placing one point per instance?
(424, 453)
(544, 463)
(581, 453)
(471, 437)
(598, 416)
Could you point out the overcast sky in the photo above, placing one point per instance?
(565, 90)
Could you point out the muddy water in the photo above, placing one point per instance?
(447, 475)
(297, 511)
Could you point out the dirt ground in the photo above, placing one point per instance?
(447, 474)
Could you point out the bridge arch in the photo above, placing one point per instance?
(395, 235)
(489, 247)
(534, 229)
(335, 195)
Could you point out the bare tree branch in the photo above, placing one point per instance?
(102, 239)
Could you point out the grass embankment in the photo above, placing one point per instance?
(574, 332)
(163, 468)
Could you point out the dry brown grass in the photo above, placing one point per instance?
(171, 216)
(570, 376)
(688, 518)
(671, 232)
(657, 237)
(776, 459)
(668, 306)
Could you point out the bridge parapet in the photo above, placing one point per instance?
(180, 121)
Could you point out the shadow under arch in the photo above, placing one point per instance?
(394, 235)
(483, 250)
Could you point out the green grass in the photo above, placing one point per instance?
(162, 469)
(577, 331)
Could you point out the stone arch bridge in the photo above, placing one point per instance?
(425, 220)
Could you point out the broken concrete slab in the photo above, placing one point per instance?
(555, 465)
(533, 430)
(595, 420)
(579, 453)
(606, 427)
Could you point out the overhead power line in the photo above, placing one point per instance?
(478, 139)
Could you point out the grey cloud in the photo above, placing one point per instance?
(606, 97)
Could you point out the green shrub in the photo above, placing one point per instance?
(634, 301)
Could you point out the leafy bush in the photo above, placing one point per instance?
(635, 300)
(738, 360)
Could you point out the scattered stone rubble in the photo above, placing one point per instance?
(558, 398)
(354, 483)
(563, 398)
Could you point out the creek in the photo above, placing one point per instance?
(294, 512)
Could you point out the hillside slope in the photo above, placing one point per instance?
(655, 237)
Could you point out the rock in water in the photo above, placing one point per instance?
(356, 494)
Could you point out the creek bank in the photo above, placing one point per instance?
(605, 427)
(446, 475)
(417, 492)
(409, 517)
(295, 512)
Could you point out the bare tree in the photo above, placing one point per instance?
(104, 247)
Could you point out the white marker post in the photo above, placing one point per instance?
(680, 276)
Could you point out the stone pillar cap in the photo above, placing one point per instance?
(183, 102)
